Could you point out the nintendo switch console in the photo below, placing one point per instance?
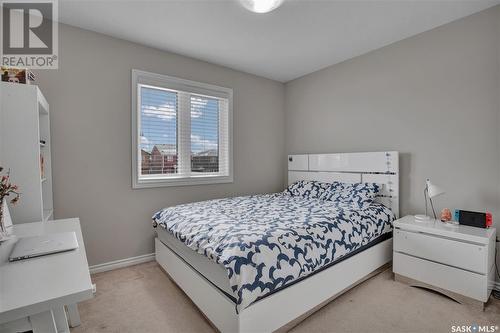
(474, 219)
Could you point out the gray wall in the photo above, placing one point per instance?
(433, 97)
(89, 97)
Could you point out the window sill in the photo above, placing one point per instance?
(197, 180)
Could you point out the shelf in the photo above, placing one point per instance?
(47, 213)
(43, 108)
(25, 121)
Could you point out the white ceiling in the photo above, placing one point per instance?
(298, 38)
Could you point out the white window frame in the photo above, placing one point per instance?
(163, 81)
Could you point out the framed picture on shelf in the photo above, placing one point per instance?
(17, 75)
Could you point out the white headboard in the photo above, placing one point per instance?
(378, 167)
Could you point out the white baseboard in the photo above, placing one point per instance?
(108, 266)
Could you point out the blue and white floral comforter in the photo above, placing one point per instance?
(266, 242)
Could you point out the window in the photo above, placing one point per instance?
(182, 131)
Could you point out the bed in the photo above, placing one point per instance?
(260, 263)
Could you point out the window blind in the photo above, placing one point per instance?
(183, 134)
(158, 141)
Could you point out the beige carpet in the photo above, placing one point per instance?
(142, 299)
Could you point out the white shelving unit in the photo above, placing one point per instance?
(24, 113)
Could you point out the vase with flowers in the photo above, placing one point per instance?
(6, 189)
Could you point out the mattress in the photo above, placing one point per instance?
(267, 242)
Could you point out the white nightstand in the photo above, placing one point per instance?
(455, 260)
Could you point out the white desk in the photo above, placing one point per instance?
(33, 292)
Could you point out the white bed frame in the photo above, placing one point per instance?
(286, 307)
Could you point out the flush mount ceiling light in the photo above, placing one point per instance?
(261, 6)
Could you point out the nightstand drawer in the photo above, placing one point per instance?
(469, 256)
(462, 282)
